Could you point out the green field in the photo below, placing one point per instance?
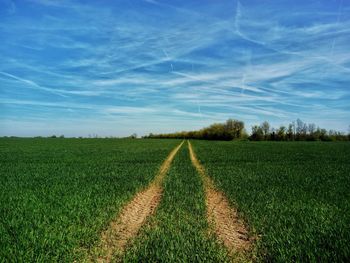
(57, 195)
(295, 195)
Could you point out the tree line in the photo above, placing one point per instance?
(235, 130)
(296, 131)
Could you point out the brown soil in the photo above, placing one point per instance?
(229, 229)
(132, 217)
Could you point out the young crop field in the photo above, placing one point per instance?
(56, 195)
(108, 200)
(294, 196)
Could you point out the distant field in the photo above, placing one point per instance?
(56, 195)
(295, 195)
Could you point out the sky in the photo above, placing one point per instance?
(113, 68)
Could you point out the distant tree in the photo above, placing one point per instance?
(265, 126)
(299, 126)
(290, 132)
(239, 129)
(336, 136)
(301, 130)
(133, 136)
(257, 133)
(234, 128)
(321, 134)
(272, 135)
(311, 128)
(281, 133)
(215, 131)
(311, 132)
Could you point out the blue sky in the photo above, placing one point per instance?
(118, 67)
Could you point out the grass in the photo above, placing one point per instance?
(56, 195)
(294, 195)
(179, 230)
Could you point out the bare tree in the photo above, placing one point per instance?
(265, 126)
(301, 129)
(281, 133)
(311, 128)
(290, 132)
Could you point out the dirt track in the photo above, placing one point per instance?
(133, 215)
(228, 228)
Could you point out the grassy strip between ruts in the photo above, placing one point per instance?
(179, 230)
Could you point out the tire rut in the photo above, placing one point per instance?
(229, 229)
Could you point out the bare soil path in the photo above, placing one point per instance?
(133, 215)
(229, 229)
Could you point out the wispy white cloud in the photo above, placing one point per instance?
(158, 60)
(30, 83)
